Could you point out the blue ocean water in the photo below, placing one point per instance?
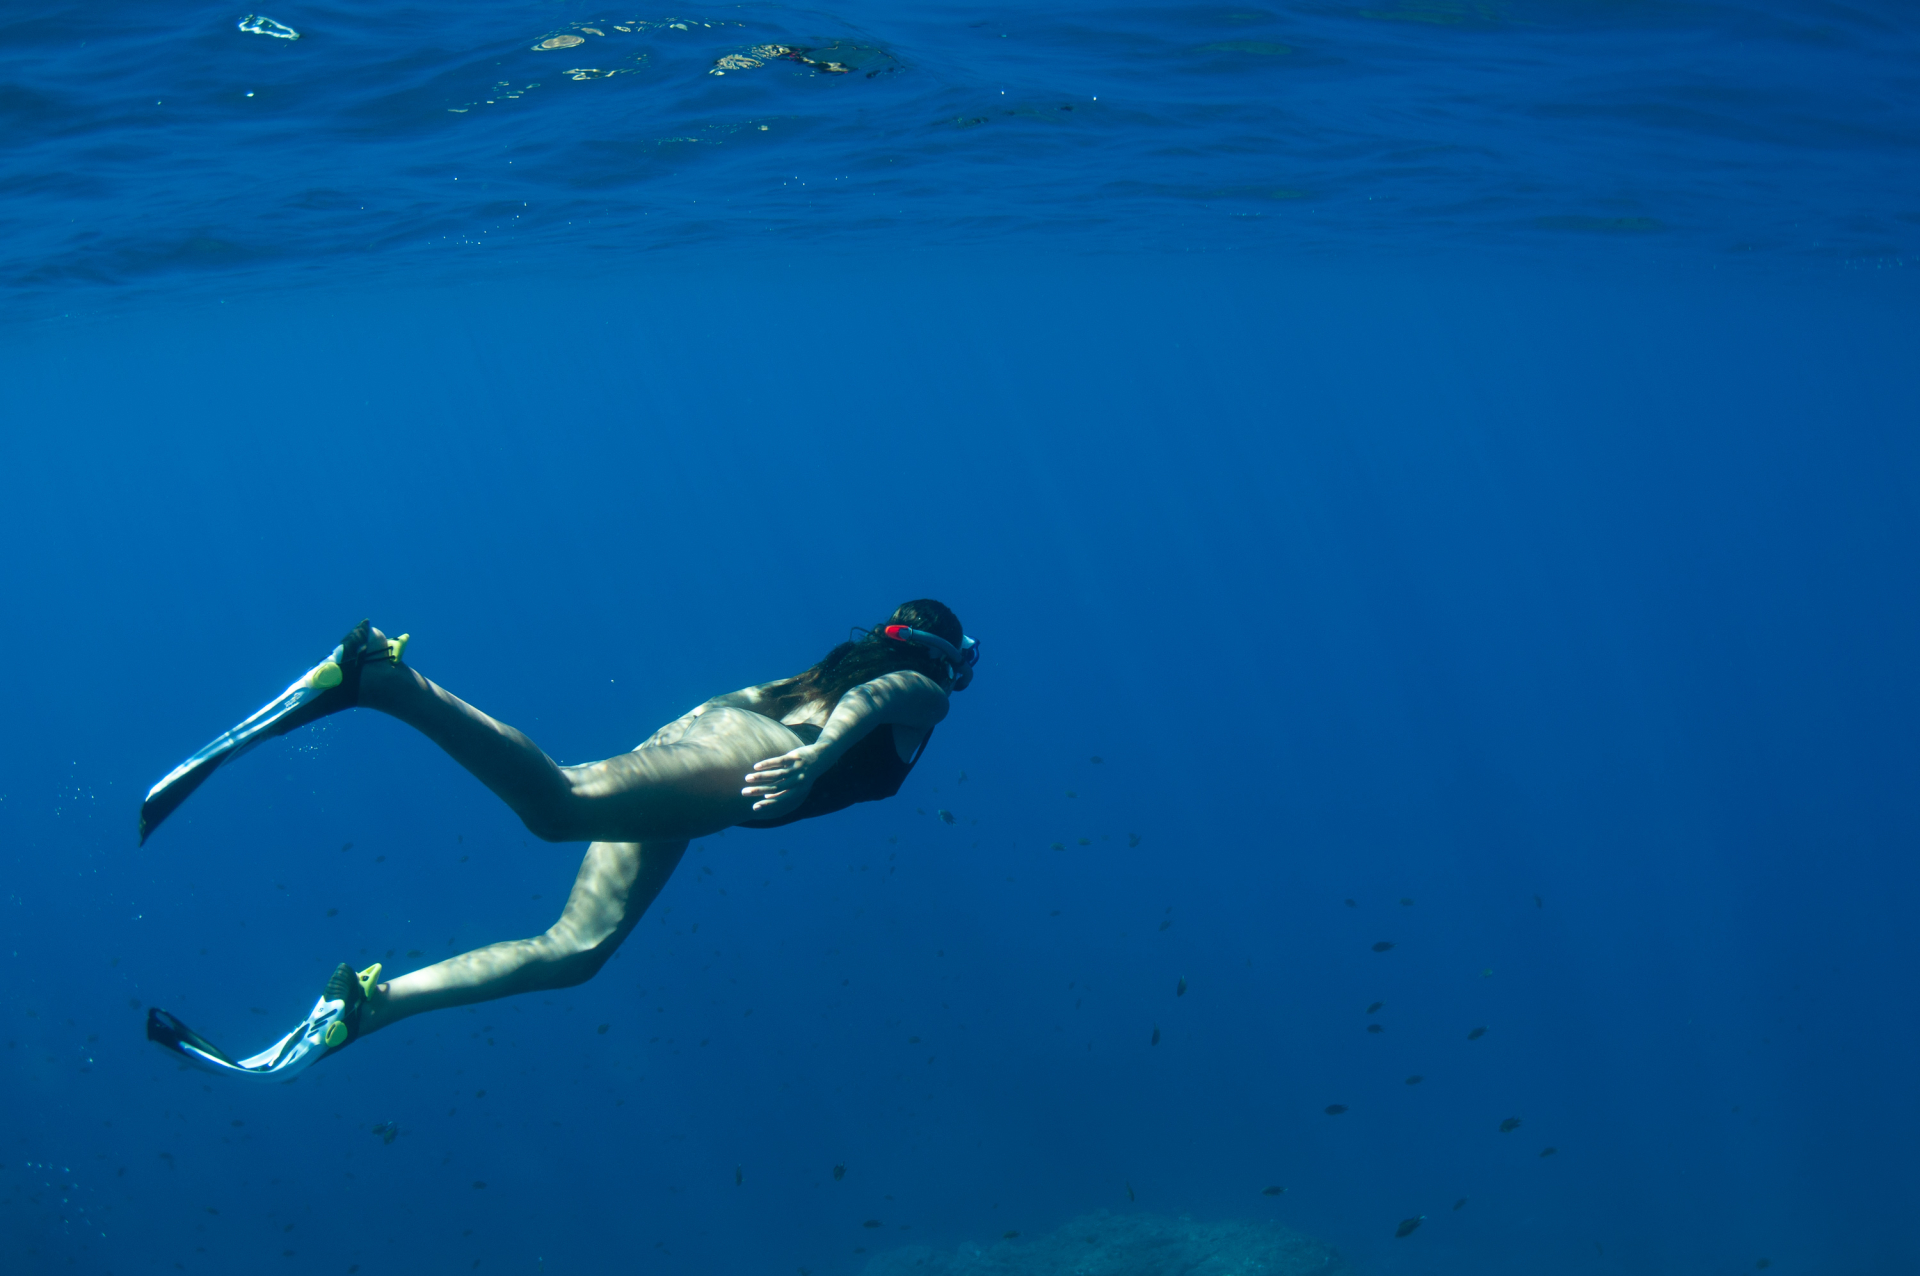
(1425, 474)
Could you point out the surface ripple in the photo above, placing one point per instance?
(147, 140)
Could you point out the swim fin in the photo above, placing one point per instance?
(333, 1023)
(328, 687)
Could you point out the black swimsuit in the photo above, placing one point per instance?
(867, 772)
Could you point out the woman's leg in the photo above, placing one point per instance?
(498, 756)
(658, 793)
(617, 881)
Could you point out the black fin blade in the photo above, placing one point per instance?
(163, 802)
(166, 1031)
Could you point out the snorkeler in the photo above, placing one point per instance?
(847, 730)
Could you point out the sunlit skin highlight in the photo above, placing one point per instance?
(720, 763)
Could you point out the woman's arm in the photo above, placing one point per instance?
(905, 699)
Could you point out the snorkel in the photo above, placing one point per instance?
(960, 660)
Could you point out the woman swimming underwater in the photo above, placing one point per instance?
(847, 730)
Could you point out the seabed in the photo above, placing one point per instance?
(1106, 1244)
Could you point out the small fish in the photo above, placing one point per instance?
(1180, 989)
(872, 1222)
(1460, 1204)
(946, 816)
(962, 779)
(1415, 1079)
(1058, 846)
(1351, 904)
(1133, 839)
(1374, 1027)
(1476, 1034)
(346, 848)
(1007, 1236)
(388, 1131)
(1487, 973)
(1408, 1226)
(1334, 1109)
(1096, 759)
(1383, 946)
(602, 1029)
(1129, 1188)
(1272, 1191)
(1763, 1264)
(839, 1172)
(1376, 1007)
(1406, 903)
(1072, 794)
(1548, 1151)
(412, 953)
(738, 1178)
(1168, 922)
(1509, 1125)
(1156, 1035)
(1538, 902)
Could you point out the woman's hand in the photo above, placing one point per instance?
(780, 784)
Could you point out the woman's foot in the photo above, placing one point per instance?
(375, 1003)
(336, 1021)
(379, 663)
(353, 991)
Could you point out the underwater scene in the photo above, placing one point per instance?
(943, 640)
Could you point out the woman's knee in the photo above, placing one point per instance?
(571, 972)
(574, 962)
(551, 824)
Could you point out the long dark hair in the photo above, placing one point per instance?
(875, 655)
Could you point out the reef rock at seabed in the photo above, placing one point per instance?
(1127, 1245)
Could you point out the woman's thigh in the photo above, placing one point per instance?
(686, 789)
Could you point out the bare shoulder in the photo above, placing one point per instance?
(910, 699)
